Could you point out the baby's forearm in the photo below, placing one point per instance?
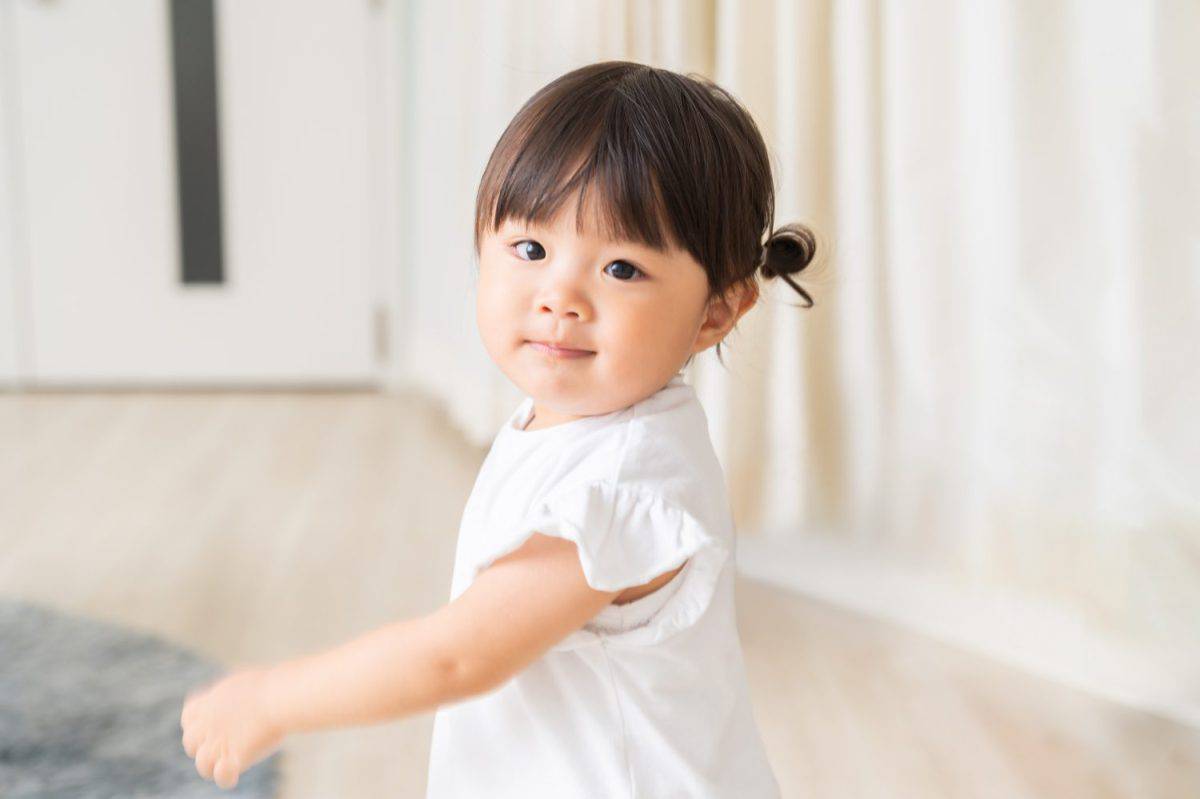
(394, 671)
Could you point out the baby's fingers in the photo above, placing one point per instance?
(193, 736)
(189, 714)
(206, 758)
(191, 740)
(227, 770)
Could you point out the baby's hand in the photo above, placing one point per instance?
(227, 726)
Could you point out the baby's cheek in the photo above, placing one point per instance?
(658, 335)
(489, 318)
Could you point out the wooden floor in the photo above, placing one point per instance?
(256, 527)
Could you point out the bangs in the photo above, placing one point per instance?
(577, 147)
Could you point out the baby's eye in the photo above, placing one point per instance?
(625, 273)
(534, 248)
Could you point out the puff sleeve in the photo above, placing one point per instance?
(627, 535)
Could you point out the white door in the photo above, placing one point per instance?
(94, 263)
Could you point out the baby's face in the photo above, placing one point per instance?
(636, 311)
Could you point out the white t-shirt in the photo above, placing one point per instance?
(649, 698)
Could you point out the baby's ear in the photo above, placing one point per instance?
(724, 311)
(746, 298)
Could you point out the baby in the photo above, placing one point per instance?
(589, 647)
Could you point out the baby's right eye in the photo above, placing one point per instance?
(520, 247)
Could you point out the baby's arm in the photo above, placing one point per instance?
(513, 612)
(517, 608)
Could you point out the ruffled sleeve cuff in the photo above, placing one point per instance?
(626, 536)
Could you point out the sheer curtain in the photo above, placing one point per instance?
(998, 386)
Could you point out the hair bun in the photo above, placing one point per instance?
(787, 251)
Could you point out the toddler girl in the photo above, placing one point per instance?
(590, 647)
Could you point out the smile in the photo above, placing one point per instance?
(558, 352)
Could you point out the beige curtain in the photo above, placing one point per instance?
(1001, 377)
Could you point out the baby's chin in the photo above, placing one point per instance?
(566, 394)
(576, 400)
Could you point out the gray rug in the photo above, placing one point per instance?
(90, 710)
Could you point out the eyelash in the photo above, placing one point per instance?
(639, 276)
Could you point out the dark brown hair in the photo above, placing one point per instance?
(676, 162)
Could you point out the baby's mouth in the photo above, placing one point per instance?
(558, 352)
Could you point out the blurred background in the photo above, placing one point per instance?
(245, 399)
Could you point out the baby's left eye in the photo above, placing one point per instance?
(626, 268)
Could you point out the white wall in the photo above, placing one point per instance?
(11, 260)
(92, 223)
